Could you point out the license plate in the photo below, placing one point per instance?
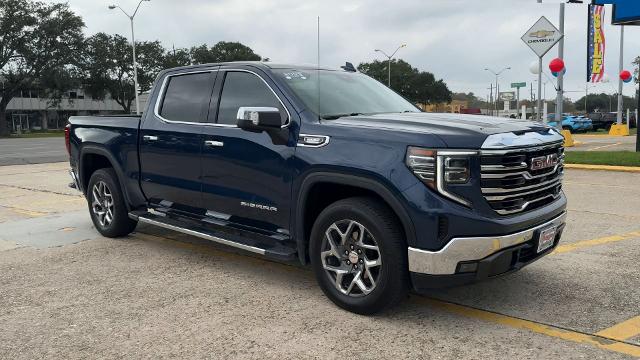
(547, 238)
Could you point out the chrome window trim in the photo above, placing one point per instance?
(161, 96)
(288, 122)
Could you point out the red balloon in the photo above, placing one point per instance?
(556, 65)
(625, 75)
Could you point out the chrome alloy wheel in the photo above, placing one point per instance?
(102, 205)
(351, 258)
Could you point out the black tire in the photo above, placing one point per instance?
(392, 282)
(120, 223)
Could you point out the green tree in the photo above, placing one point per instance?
(176, 57)
(39, 43)
(223, 52)
(415, 85)
(604, 103)
(108, 67)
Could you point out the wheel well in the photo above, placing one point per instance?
(321, 195)
(91, 163)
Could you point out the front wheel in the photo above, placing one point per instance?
(107, 206)
(359, 255)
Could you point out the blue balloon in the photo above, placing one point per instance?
(628, 80)
(556, 74)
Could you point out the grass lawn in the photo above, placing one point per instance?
(617, 158)
(40, 134)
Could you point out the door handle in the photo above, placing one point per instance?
(149, 138)
(212, 143)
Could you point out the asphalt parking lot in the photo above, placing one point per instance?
(66, 292)
(603, 143)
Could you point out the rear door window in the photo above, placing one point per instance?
(186, 97)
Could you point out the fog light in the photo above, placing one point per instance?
(467, 267)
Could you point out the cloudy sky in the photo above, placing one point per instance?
(454, 39)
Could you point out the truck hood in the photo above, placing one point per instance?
(455, 130)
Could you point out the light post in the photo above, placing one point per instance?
(390, 57)
(133, 43)
(497, 74)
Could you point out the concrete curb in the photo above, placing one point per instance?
(632, 169)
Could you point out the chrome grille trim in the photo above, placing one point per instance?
(526, 174)
(511, 186)
(548, 185)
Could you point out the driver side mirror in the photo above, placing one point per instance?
(259, 118)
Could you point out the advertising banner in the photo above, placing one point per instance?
(596, 44)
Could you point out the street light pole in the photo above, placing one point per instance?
(497, 74)
(133, 45)
(390, 57)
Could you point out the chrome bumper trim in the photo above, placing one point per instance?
(445, 261)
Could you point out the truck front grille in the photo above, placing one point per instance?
(522, 179)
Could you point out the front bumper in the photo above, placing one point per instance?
(494, 255)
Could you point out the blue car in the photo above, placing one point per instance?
(587, 124)
(569, 122)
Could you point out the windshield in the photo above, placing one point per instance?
(343, 93)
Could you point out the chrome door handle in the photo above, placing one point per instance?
(149, 138)
(212, 143)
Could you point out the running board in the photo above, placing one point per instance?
(275, 250)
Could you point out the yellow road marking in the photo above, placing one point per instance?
(569, 335)
(600, 341)
(28, 212)
(602, 167)
(604, 146)
(623, 331)
(594, 242)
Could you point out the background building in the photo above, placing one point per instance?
(30, 112)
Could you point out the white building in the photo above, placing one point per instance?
(28, 111)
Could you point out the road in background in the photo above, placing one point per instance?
(22, 151)
(67, 292)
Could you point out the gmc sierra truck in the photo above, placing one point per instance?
(330, 168)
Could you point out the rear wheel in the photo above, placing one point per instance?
(106, 205)
(359, 255)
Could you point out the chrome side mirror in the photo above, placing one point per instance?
(259, 118)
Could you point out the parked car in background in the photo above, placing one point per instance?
(568, 122)
(602, 120)
(585, 122)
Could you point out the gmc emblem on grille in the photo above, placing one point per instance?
(544, 162)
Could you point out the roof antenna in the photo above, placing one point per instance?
(349, 67)
(318, 72)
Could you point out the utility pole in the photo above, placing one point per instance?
(620, 94)
(497, 75)
(560, 97)
(389, 57)
(491, 101)
(133, 44)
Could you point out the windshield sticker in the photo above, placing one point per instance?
(295, 75)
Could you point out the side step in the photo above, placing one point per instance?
(273, 250)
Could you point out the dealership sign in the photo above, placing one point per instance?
(542, 37)
(595, 44)
(625, 12)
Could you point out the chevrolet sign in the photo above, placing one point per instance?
(542, 36)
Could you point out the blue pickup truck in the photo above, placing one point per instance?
(326, 167)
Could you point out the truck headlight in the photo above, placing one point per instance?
(439, 168)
